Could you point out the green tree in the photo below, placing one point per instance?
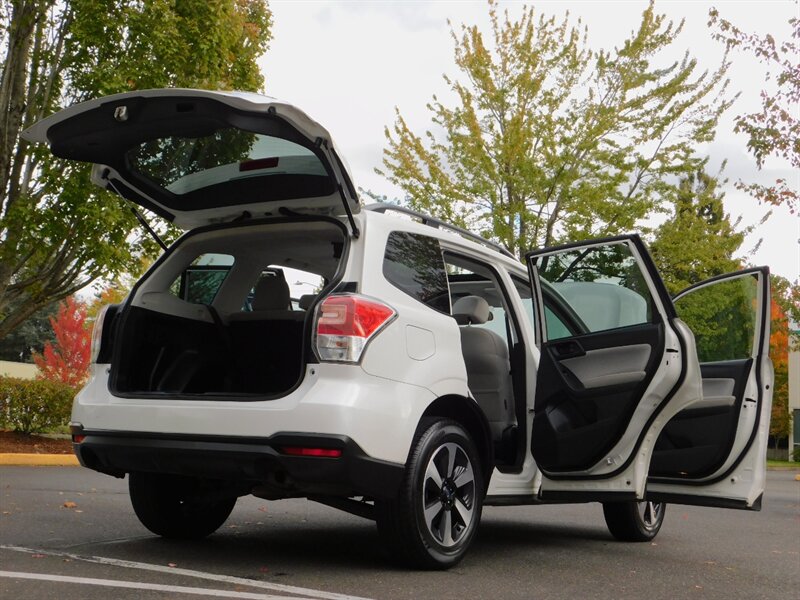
(698, 239)
(773, 131)
(549, 139)
(59, 232)
(29, 337)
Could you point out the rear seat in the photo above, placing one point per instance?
(270, 302)
(267, 341)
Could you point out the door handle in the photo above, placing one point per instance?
(568, 349)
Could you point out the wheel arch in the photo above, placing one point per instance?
(466, 412)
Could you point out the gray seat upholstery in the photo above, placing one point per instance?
(488, 367)
(271, 301)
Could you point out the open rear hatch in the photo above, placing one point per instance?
(198, 157)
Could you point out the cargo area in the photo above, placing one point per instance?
(217, 316)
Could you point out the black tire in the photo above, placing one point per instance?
(436, 537)
(634, 521)
(175, 507)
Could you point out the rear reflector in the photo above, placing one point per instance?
(319, 452)
(77, 439)
(346, 322)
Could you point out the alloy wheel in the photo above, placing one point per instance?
(448, 494)
(650, 514)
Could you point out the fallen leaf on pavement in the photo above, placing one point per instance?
(172, 564)
(70, 504)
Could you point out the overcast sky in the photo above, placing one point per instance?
(349, 64)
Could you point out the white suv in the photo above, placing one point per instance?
(428, 375)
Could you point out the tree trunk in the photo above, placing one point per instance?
(24, 16)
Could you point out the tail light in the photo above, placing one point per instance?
(346, 323)
(97, 334)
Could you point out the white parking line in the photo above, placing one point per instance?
(135, 585)
(254, 583)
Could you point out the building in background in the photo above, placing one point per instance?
(794, 392)
(23, 370)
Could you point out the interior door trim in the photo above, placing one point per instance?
(763, 273)
(640, 439)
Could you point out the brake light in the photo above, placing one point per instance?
(97, 334)
(346, 323)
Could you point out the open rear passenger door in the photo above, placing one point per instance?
(616, 364)
(713, 452)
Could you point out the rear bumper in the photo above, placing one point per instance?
(257, 461)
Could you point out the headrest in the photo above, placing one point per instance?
(471, 310)
(306, 300)
(271, 293)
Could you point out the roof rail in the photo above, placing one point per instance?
(382, 207)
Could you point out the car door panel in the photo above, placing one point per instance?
(713, 452)
(576, 423)
(698, 439)
(604, 394)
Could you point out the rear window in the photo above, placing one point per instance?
(414, 264)
(201, 280)
(184, 164)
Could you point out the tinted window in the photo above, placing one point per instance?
(600, 287)
(201, 281)
(184, 164)
(556, 327)
(414, 264)
(722, 317)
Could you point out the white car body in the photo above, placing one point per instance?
(413, 367)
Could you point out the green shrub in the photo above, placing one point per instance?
(796, 454)
(32, 405)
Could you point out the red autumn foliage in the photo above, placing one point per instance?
(779, 353)
(779, 335)
(67, 359)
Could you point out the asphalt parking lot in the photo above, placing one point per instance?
(66, 532)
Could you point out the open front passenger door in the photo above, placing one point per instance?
(713, 452)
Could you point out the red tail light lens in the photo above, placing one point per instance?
(316, 452)
(345, 323)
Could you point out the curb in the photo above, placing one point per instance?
(38, 460)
